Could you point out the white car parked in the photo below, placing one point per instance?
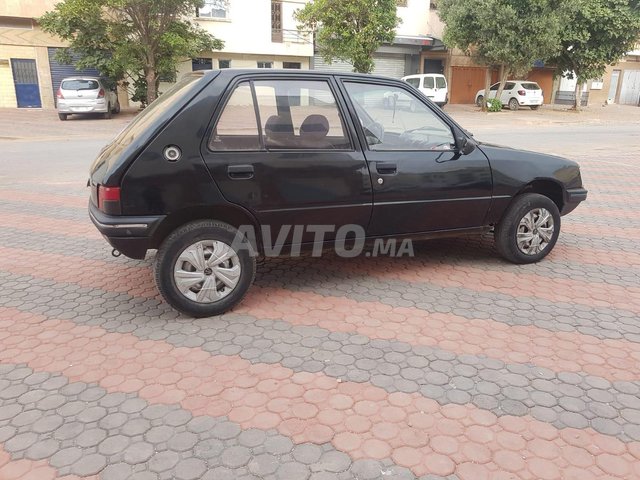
(433, 85)
(86, 95)
(516, 93)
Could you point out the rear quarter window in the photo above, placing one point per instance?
(79, 85)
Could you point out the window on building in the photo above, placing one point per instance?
(213, 9)
(299, 114)
(265, 64)
(201, 64)
(237, 127)
(406, 123)
(224, 64)
(16, 22)
(276, 22)
(295, 65)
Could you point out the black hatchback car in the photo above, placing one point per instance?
(225, 150)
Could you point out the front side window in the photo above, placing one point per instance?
(394, 119)
(237, 128)
(299, 114)
(495, 86)
(213, 9)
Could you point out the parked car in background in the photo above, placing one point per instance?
(83, 95)
(226, 152)
(516, 93)
(433, 85)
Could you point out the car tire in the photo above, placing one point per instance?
(479, 100)
(62, 116)
(181, 244)
(520, 222)
(513, 104)
(107, 114)
(534, 107)
(116, 109)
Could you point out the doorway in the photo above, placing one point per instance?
(25, 79)
(433, 66)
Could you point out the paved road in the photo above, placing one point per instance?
(450, 365)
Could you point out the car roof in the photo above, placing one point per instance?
(236, 72)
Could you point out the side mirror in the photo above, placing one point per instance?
(465, 145)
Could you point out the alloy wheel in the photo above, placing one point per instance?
(535, 231)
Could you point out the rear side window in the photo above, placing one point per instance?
(441, 82)
(414, 82)
(292, 114)
(509, 86)
(428, 82)
(531, 86)
(79, 85)
(237, 128)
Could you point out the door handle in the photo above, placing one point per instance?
(386, 168)
(240, 172)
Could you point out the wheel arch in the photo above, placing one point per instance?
(548, 187)
(231, 214)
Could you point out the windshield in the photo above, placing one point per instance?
(79, 85)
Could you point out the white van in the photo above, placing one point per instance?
(433, 85)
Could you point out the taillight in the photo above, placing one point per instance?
(522, 93)
(109, 200)
(59, 94)
(101, 93)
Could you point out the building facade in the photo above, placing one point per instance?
(620, 83)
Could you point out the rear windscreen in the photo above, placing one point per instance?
(531, 86)
(79, 85)
(441, 82)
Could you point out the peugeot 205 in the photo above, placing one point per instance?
(225, 150)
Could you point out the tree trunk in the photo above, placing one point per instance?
(487, 84)
(151, 78)
(577, 101)
(503, 78)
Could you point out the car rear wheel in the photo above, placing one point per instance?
(62, 116)
(202, 269)
(479, 100)
(107, 114)
(529, 229)
(116, 109)
(513, 104)
(534, 107)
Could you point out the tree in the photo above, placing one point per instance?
(598, 34)
(140, 39)
(350, 30)
(511, 34)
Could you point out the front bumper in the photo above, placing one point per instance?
(573, 198)
(130, 235)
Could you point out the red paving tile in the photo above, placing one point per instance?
(43, 344)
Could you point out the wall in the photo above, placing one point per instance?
(26, 8)
(631, 62)
(7, 88)
(248, 30)
(415, 18)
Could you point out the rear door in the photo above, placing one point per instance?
(282, 148)
(429, 86)
(420, 182)
(508, 92)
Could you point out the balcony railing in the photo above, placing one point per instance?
(290, 36)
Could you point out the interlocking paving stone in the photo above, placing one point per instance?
(217, 443)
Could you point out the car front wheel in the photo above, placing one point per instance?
(529, 229)
(479, 100)
(204, 269)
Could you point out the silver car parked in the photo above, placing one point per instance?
(81, 95)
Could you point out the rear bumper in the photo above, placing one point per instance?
(94, 106)
(574, 197)
(131, 235)
(530, 101)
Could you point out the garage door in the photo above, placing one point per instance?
(630, 89)
(387, 65)
(544, 78)
(464, 84)
(59, 70)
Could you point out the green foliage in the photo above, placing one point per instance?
(140, 39)
(350, 30)
(494, 105)
(514, 33)
(598, 34)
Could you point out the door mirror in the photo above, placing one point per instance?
(465, 145)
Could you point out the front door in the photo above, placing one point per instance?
(25, 79)
(421, 183)
(282, 149)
